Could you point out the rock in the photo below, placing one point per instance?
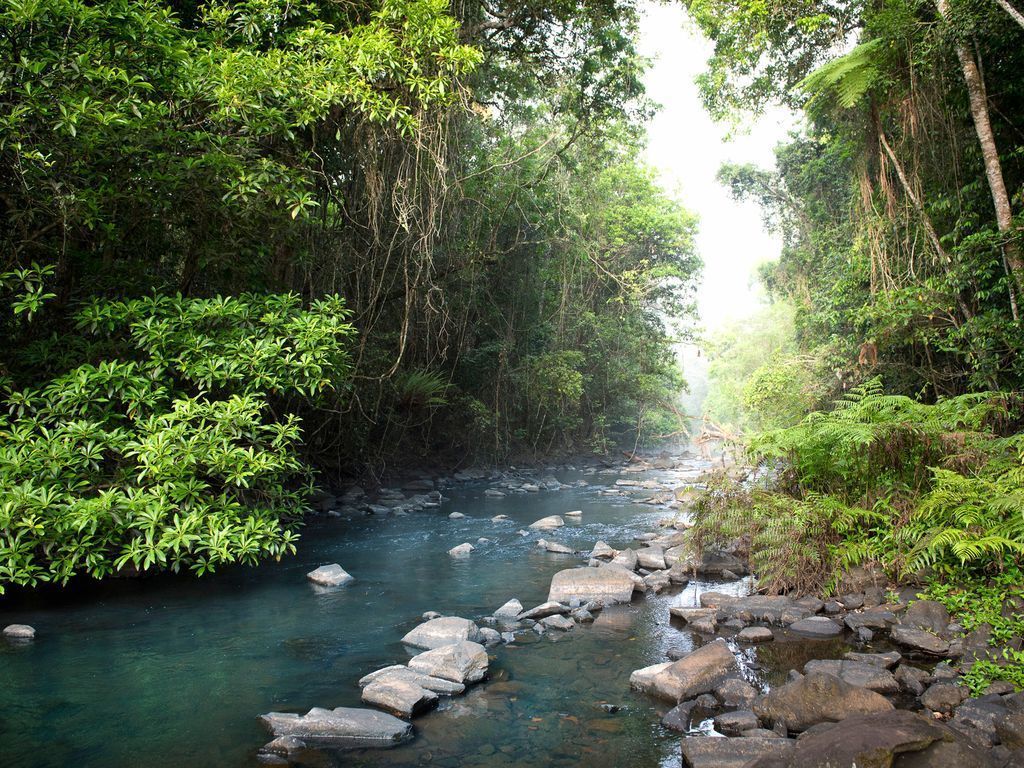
(443, 631)
(404, 674)
(943, 672)
(575, 513)
(284, 746)
(687, 614)
(816, 626)
(927, 615)
(810, 603)
(713, 562)
(428, 615)
(706, 625)
(873, 596)
(21, 632)
(510, 610)
(678, 718)
(603, 551)
(736, 693)
(977, 718)
(461, 550)
(400, 697)
(1010, 730)
(555, 547)
(886, 660)
(852, 601)
(755, 635)
(489, 636)
(897, 738)
(873, 619)
(607, 583)
(943, 697)
(832, 608)
(715, 599)
(652, 557)
(483, 540)
(919, 640)
(330, 576)
(582, 616)
(658, 581)
(499, 518)
(627, 559)
(550, 608)
(865, 635)
(699, 672)
(817, 697)
(464, 662)
(456, 516)
(858, 673)
(715, 752)
(735, 723)
(859, 578)
(344, 726)
(558, 622)
(548, 523)
(911, 679)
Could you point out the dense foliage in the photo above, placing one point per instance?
(185, 189)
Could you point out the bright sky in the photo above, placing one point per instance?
(687, 148)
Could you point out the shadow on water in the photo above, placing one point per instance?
(173, 671)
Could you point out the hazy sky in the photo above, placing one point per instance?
(687, 148)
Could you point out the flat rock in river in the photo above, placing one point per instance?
(547, 523)
(611, 585)
(698, 672)
(858, 673)
(550, 608)
(401, 672)
(400, 697)
(443, 631)
(463, 662)
(919, 640)
(715, 752)
(343, 726)
(817, 698)
(897, 738)
(817, 626)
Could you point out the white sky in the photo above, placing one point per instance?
(687, 148)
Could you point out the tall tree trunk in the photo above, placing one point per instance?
(993, 168)
(1014, 13)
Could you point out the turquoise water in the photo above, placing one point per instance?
(173, 671)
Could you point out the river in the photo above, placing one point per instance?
(173, 671)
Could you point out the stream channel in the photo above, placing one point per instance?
(173, 671)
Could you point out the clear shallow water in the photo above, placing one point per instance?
(173, 671)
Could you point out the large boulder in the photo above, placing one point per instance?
(698, 672)
(610, 585)
(344, 726)
(403, 673)
(652, 558)
(443, 631)
(400, 697)
(714, 752)
(928, 615)
(332, 575)
(602, 551)
(19, 632)
(817, 698)
(627, 559)
(859, 673)
(891, 739)
(548, 523)
(463, 662)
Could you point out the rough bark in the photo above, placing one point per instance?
(978, 99)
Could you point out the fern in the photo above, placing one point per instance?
(848, 77)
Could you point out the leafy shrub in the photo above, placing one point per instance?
(174, 455)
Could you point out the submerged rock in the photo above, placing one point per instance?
(343, 726)
(461, 550)
(330, 576)
(443, 631)
(607, 584)
(464, 662)
(817, 698)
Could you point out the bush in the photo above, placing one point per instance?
(174, 455)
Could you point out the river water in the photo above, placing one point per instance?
(172, 671)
